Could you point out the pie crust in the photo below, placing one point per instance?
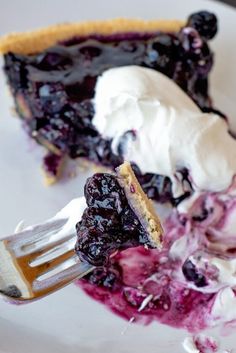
(140, 203)
(38, 40)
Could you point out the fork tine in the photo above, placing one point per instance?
(52, 264)
(31, 235)
(44, 248)
(53, 250)
(64, 277)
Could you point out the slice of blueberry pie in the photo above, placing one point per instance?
(138, 91)
(57, 77)
(118, 216)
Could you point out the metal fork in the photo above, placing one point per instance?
(36, 262)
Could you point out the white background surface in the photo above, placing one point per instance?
(69, 321)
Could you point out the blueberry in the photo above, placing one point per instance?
(156, 186)
(191, 274)
(109, 278)
(90, 51)
(103, 219)
(162, 53)
(95, 246)
(103, 190)
(204, 22)
(52, 97)
(132, 227)
(53, 60)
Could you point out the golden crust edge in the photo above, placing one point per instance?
(140, 202)
(38, 40)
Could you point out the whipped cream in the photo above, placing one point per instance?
(200, 344)
(72, 212)
(190, 346)
(170, 130)
(224, 308)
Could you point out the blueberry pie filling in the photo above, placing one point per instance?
(54, 88)
(113, 220)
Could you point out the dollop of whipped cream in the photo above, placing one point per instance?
(168, 132)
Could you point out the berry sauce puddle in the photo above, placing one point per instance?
(146, 285)
(139, 273)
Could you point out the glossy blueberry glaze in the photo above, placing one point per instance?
(108, 223)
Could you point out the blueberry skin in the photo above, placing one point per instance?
(190, 273)
(205, 23)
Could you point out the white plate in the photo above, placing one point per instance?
(69, 321)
